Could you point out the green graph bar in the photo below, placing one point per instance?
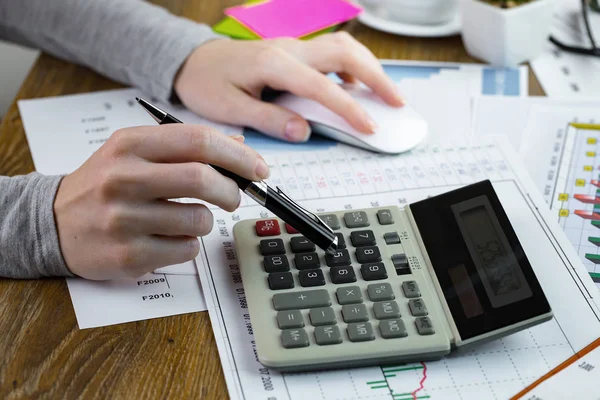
(596, 224)
(594, 240)
(596, 207)
(409, 368)
(595, 258)
(379, 387)
(595, 276)
(389, 375)
(409, 397)
(376, 382)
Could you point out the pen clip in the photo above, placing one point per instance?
(298, 207)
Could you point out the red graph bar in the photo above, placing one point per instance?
(595, 183)
(588, 214)
(588, 199)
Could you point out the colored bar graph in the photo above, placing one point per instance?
(595, 182)
(595, 258)
(595, 276)
(588, 214)
(587, 199)
(590, 127)
(596, 224)
(594, 240)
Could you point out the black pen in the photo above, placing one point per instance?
(305, 222)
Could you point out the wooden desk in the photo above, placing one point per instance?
(43, 353)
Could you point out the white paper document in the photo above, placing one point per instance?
(340, 177)
(101, 303)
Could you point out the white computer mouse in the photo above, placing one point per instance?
(399, 129)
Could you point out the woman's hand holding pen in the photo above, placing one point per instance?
(113, 215)
(222, 80)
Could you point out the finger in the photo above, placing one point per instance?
(340, 52)
(268, 118)
(148, 253)
(346, 77)
(169, 218)
(182, 143)
(195, 180)
(281, 71)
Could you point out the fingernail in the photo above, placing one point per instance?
(238, 138)
(370, 123)
(262, 169)
(297, 130)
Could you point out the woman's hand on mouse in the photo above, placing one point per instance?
(223, 79)
(113, 215)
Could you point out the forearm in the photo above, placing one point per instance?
(29, 245)
(130, 41)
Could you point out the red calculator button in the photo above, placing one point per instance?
(268, 227)
(290, 229)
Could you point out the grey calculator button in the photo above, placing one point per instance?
(325, 335)
(349, 295)
(292, 338)
(355, 313)
(411, 289)
(360, 332)
(356, 219)
(386, 309)
(392, 328)
(289, 319)
(391, 238)
(424, 326)
(380, 292)
(322, 316)
(417, 307)
(331, 220)
(300, 300)
(385, 217)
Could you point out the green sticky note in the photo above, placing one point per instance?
(230, 27)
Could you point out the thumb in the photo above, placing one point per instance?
(271, 119)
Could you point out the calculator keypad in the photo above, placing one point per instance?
(324, 307)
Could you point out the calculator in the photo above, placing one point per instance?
(404, 285)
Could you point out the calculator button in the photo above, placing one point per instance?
(391, 238)
(392, 328)
(360, 332)
(276, 264)
(341, 244)
(325, 335)
(385, 217)
(424, 326)
(300, 300)
(386, 309)
(289, 319)
(338, 259)
(322, 316)
(281, 280)
(307, 261)
(417, 307)
(411, 289)
(368, 254)
(380, 292)
(311, 277)
(362, 238)
(300, 244)
(271, 247)
(293, 338)
(269, 227)
(290, 229)
(356, 219)
(342, 275)
(355, 313)
(331, 220)
(401, 264)
(349, 295)
(373, 272)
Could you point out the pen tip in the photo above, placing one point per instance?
(137, 99)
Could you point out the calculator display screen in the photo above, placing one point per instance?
(482, 269)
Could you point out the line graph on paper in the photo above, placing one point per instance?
(337, 178)
(577, 194)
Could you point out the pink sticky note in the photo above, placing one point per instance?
(292, 18)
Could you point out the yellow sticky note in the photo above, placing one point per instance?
(563, 197)
(588, 168)
(590, 153)
(563, 212)
(579, 182)
(591, 140)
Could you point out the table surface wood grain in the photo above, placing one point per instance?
(42, 351)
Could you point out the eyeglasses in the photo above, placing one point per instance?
(593, 51)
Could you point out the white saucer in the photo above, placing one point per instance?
(450, 28)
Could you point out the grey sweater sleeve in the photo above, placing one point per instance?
(29, 246)
(130, 41)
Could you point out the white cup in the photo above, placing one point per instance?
(417, 12)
